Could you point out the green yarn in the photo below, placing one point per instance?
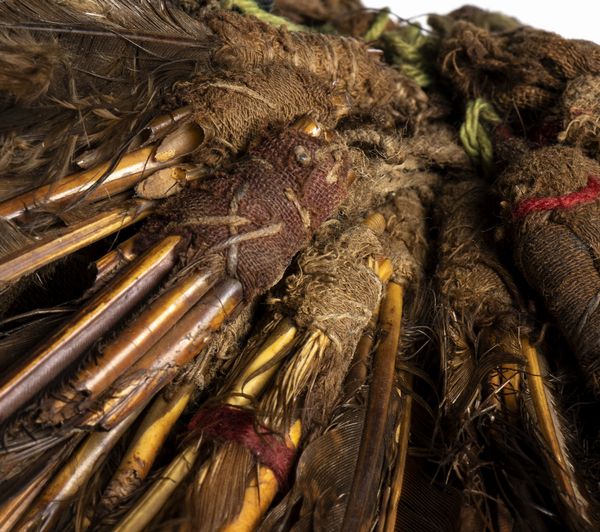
(474, 135)
(378, 27)
(406, 50)
(250, 7)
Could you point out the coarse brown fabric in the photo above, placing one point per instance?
(234, 107)
(82, 82)
(357, 73)
(316, 10)
(286, 188)
(520, 70)
(581, 114)
(335, 292)
(558, 250)
(386, 162)
(405, 240)
(492, 21)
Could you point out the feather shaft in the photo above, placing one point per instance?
(402, 437)
(129, 346)
(260, 492)
(165, 358)
(250, 383)
(158, 494)
(126, 173)
(100, 314)
(364, 479)
(558, 460)
(145, 446)
(71, 239)
(46, 510)
(254, 378)
(108, 265)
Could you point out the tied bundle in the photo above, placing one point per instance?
(296, 266)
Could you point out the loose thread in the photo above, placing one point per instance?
(587, 194)
(250, 7)
(474, 135)
(227, 423)
(378, 26)
(405, 47)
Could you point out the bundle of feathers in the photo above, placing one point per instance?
(296, 266)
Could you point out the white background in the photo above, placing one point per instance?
(574, 19)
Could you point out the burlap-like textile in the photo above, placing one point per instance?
(523, 69)
(275, 200)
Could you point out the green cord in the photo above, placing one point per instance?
(250, 7)
(474, 135)
(378, 27)
(405, 47)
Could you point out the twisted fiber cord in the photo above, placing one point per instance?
(474, 135)
(250, 7)
(406, 47)
(378, 26)
(587, 194)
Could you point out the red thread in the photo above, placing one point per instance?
(228, 423)
(587, 194)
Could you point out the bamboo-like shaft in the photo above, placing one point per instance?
(402, 437)
(100, 182)
(108, 265)
(250, 382)
(130, 345)
(164, 359)
(548, 424)
(162, 123)
(145, 446)
(183, 140)
(363, 482)
(104, 310)
(128, 171)
(159, 493)
(75, 237)
(147, 442)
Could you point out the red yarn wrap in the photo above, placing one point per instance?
(584, 195)
(228, 423)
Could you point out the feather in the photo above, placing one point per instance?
(545, 422)
(15, 343)
(366, 481)
(323, 476)
(71, 100)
